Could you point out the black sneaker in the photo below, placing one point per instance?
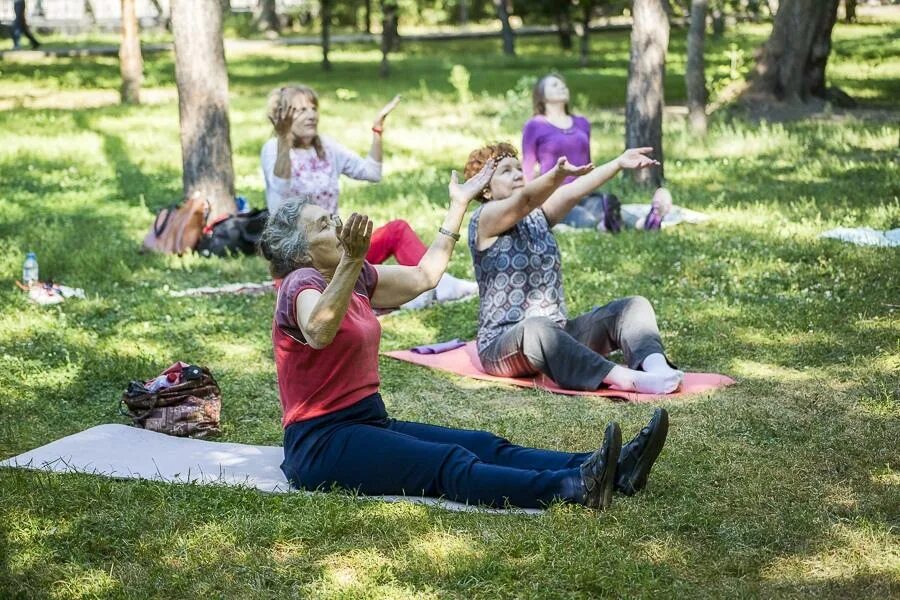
(638, 455)
(598, 472)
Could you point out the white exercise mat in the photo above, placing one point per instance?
(865, 236)
(127, 452)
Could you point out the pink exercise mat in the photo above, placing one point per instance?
(464, 361)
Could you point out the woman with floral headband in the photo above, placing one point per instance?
(523, 326)
(299, 162)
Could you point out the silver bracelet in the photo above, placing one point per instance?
(455, 236)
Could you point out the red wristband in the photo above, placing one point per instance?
(378, 130)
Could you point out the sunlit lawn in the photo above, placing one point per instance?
(784, 485)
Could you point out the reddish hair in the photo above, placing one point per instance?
(479, 157)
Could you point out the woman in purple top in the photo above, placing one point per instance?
(554, 132)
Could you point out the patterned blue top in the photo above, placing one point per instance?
(519, 276)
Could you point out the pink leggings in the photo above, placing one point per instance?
(396, 239)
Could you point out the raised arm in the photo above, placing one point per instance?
(375, 152)
(319, 314)
(498, 216)
(398, 284)
(563, 199)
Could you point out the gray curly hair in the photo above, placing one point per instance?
(282, 242)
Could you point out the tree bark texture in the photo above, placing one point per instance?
(695, 73)
(202, 81)
(326, 33)
(266, 16)
(791, 66)
(646, 72)
(131, 64)
(509, 44)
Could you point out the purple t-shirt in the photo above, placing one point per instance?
(543, 143)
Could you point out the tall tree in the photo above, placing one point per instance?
(695, 75)
(791, 66)
(389, 34)
(131, 64)
(326, 33)
(646, 73)
(202, 81)
(463, 6)
(509, 44)
(850, 11)
(587, 11)
(564, 25)
(265, 15)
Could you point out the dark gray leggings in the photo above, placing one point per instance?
(574, 356)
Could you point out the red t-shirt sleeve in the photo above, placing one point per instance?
(310, 279)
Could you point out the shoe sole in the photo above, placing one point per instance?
(638, 480)
(613, 441)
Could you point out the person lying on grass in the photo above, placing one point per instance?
(523, 325)
(336, 430)
(299, 161)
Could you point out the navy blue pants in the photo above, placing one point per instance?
(361, 448)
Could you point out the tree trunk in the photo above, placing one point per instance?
(694, 75)
(850, 11)
(388, 34)
(463, 12)
(202, 81)
(368, 16)
(509, 45)
(791, 66)
(326, 33)
(266, 16)
(718, 22)
(646, 73)
(130, 62)
(587, 10)
(564, 27)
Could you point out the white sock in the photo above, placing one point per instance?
(656, 363)
(630, 380)
(420, 301)
(451, 288)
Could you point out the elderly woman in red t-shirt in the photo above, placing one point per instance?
(337, 432)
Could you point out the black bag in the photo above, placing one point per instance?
(233, 234)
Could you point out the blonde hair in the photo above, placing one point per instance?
(285, 95)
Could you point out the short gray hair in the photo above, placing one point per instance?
(283, 243)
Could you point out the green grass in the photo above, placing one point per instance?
(786, 485)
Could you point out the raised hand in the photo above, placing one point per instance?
(355, 235)
(563, 167)
(284, 117)
(464, 193)
(382, 115)
(636, 158)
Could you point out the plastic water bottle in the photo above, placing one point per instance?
(30, 269)
(242, 205)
